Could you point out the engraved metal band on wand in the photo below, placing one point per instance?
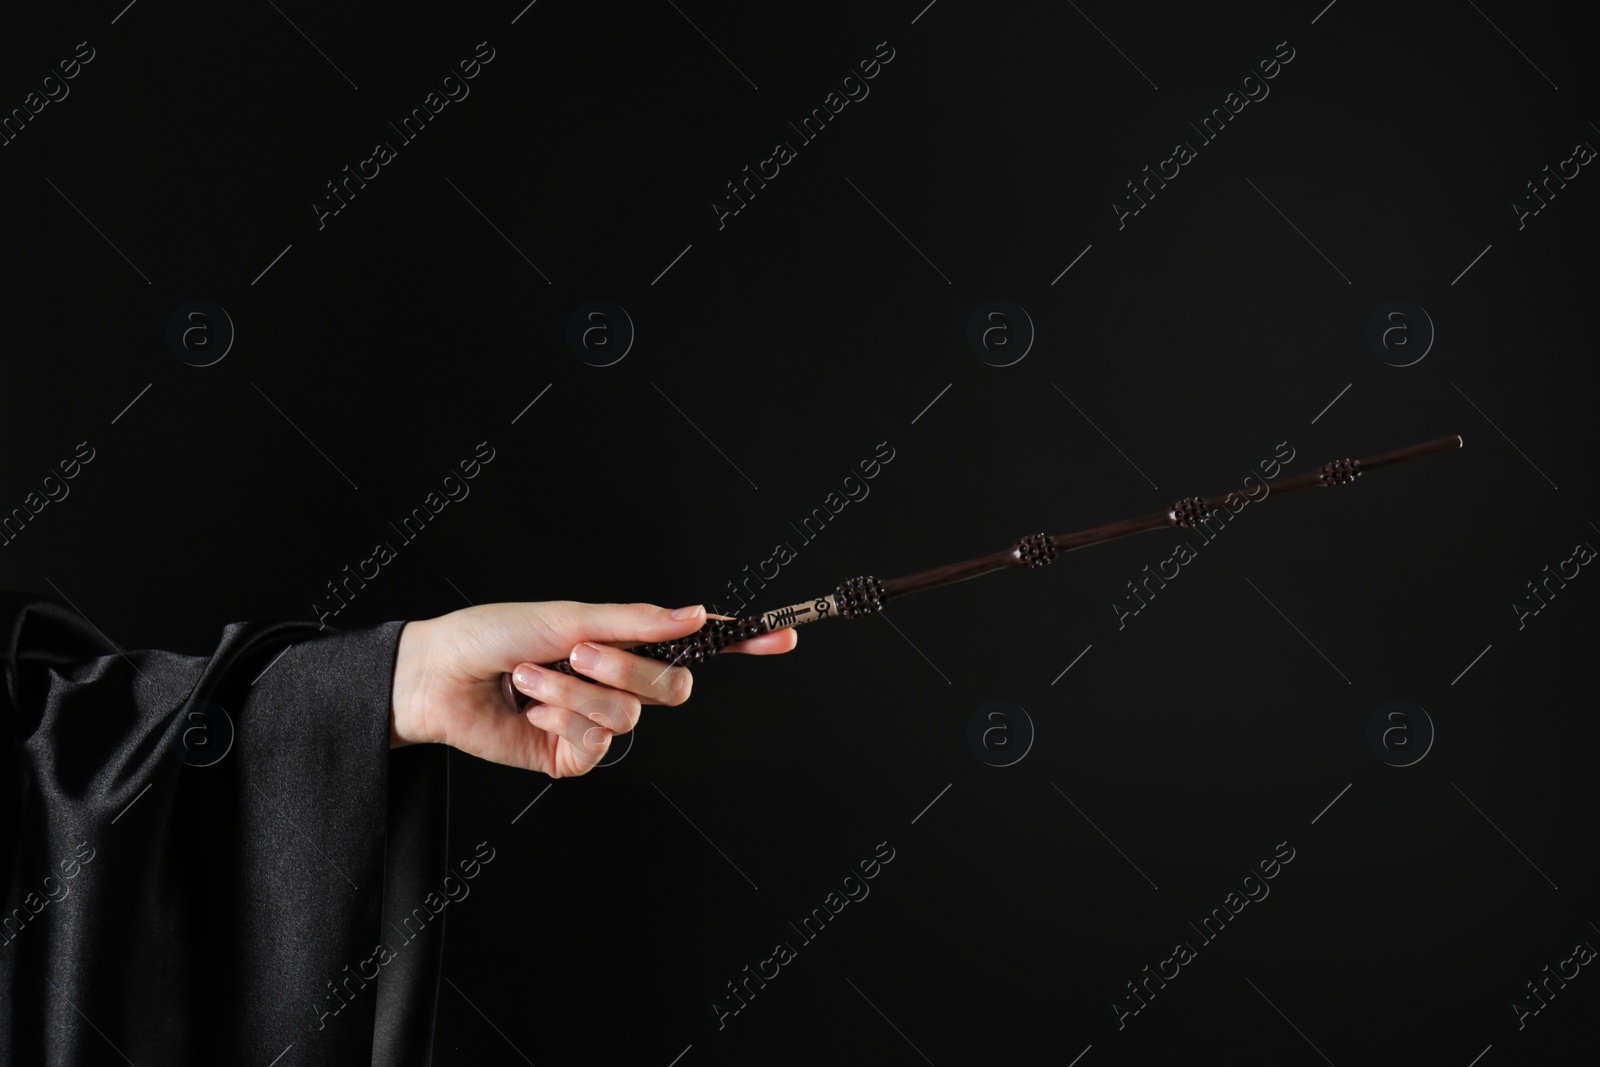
(859, 597)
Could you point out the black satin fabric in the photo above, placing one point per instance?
(162, 911)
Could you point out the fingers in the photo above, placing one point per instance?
(650, 679)
(768, 644)
(614, 682)
(624, 623)
(612, 708)
(589, 742)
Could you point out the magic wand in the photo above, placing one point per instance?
(857, 598)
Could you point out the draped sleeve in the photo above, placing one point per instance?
(200, 855)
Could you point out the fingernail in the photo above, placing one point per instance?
(594, 736)
(584, 656)
(687, 613)
(528, 679)
(536, 712)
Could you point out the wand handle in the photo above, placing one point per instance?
(853, 599)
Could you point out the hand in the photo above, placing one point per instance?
(447, 687)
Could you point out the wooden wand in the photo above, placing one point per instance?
(857, 598)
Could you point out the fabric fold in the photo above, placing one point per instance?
(196, 847)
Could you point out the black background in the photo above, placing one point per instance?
(1217, 723)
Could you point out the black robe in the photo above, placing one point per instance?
(173, 895)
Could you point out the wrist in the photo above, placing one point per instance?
(407, 717)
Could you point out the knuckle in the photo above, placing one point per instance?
(617, 711)
(614, 712)
(679, 685)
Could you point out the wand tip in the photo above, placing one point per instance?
(721, 618)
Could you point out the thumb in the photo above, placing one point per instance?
(626, 623)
